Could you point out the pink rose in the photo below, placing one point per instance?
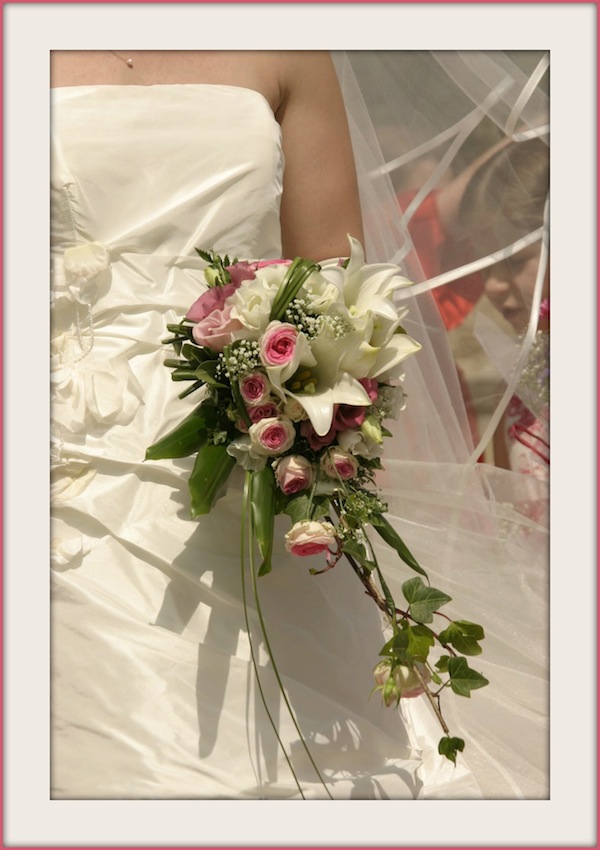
(348, 416)
(242, 271)
(293, 474)
(212, 299)
(215, 331)
(278, 344)
(255, 388)
(272, 436)
(262, 411)
(314, 440)
(310, 538)
(337, 463)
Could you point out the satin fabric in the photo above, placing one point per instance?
(153, 691)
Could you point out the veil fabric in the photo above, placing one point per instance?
(419, 120)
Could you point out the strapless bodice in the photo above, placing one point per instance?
(166, 168)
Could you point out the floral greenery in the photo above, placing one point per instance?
(298, 366)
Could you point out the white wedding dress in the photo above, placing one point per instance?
(153, 690)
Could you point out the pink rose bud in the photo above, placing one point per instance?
(278, 344)
(272, 436)
(255, 388)
(239, 272)
(215, 331)
(212, 299)
(293, 474)
(310, 538)
(338, 463)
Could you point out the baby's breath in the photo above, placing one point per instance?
(338, 325)
(298, 314)
(243, 358)
(363, 506)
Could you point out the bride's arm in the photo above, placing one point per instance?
(320, 202)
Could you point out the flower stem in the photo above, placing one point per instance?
(269, 650)
(247, 619)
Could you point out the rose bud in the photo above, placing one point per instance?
(293, 474)
(337, 463)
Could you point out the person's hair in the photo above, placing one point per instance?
(508, 192)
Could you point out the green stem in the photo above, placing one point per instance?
(275, 670)
(295, 276)
(245, 501)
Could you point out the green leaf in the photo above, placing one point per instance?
(196, 353)
(473, 630)
(463, 637)
(298, 508)
(420, 639)
(393, 539)
(396, 646)
(302, 507)
(423, 600)
(206, 374)
(185, 439)
(263, 514)
(463, 680)
(208, 481)
(449, 747)
(442, 663)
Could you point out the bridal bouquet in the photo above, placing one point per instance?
(297, 367)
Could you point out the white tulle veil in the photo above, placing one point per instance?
(418, 119)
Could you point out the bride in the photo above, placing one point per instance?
(258, 155)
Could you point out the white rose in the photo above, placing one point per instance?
(310, 538)
(251, 303)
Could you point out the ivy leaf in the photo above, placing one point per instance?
(463, 680)
(396, 646)
(463, 636)
(301, 508)
(423, 600)
(442, 663)
(420, 638)
(449, 747)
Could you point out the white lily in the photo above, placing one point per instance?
(319, 404)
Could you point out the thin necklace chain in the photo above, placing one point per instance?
(128, 61)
